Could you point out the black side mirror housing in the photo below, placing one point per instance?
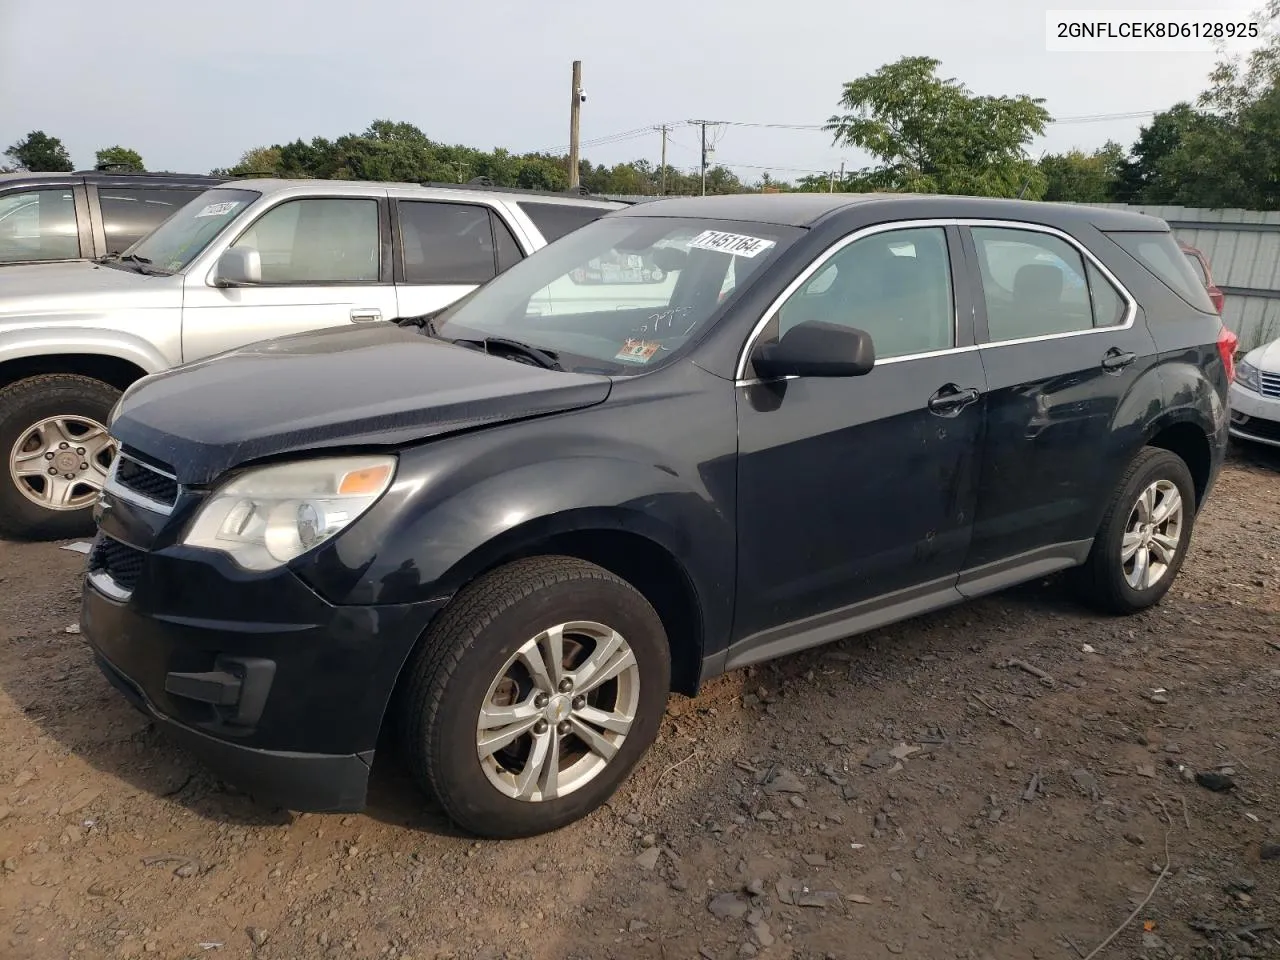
(816, 349)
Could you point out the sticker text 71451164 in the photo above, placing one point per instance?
(738, 244)
(219, 209)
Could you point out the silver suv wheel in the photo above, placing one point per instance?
(61, 463)
(558, 711)
(1152, 535)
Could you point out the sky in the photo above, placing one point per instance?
(192, 86)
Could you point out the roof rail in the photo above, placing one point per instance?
(486, 183)
(255, 175)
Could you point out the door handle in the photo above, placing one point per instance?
(950, 399)
(1115, 359)
(365, 314)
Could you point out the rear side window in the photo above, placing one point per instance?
(1160, 254)
(554, 220)
(449, 243)
(130, 213)
(38, 225)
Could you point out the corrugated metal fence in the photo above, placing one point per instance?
(1243, 248)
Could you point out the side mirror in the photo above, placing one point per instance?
(237, 267)
(817, 349)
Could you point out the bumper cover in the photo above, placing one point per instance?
(1254, 417)
(307, 742)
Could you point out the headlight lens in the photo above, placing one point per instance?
(1247, 377)
(268, 516)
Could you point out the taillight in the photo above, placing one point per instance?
(1227, 343)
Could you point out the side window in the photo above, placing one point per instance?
(554, 220)
(446, 243)
(894, 285)
(509, 252)
(1034, 284)
(1108, 306)
(130, 213)
(317, 241)
(38, 225)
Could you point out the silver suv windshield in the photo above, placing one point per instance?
(621, 295)
(181, 238)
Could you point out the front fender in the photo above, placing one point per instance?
(21, 343)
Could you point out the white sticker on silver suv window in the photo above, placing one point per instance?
(740, 245)
(219, 209)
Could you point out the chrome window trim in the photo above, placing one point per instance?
(1131, 304)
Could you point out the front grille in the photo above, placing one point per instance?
(1258, 427)
(119, 561)
(146, 480)
(1270, 384)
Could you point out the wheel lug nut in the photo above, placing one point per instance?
(84, 466)
(562, 727)
(566, 685)
(64, 445)
(49, 455)
(80, 450)
(540, 727)
(53, 471)
(540, 700)
(69, 476)
(579, 702)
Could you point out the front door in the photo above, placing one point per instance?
(323, 265)
(856, 495)
(1062, 344)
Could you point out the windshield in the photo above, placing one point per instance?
(621, 295)
(181, 238)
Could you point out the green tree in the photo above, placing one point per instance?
(120, 156)
(1140, 176)
(932, 135)
(1079, 177)
(40, 152)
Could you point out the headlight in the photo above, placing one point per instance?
(1247, 377)
(268, 516)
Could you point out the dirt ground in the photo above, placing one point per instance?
(902, 793)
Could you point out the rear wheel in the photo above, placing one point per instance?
(1144, 535)
(56, 450)
(534, 695)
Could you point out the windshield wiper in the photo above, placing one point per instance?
(543, 358)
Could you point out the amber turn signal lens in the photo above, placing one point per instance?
(364, 482)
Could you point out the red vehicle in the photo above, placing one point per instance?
(1200, 263)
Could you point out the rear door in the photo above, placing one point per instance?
(1062, 344)
(445, 249)
(325, 263)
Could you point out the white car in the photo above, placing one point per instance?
(1255, 396)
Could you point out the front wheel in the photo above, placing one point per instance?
(56, 450)
(534, 695)
(1144, 535)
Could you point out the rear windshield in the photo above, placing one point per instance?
(554, 220)
(1160, 254)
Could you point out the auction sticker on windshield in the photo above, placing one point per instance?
(740, 245)
(637, 351)
(219, 209)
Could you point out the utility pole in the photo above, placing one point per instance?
(842, 176)
(704, 157)
(575, 110)
(662, 187)
(831, 182)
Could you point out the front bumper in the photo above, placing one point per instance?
(278, 691)
(1254, 417)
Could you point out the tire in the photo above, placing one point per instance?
(460, 665)
(76, 400)
(1107, 579)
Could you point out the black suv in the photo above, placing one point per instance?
(87, 214)
(513, 528)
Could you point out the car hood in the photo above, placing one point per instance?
(47, 290)
(346, 386)
(1265, 357)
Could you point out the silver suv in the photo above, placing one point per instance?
(242, 262)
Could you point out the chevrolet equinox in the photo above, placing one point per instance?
(692, 435)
